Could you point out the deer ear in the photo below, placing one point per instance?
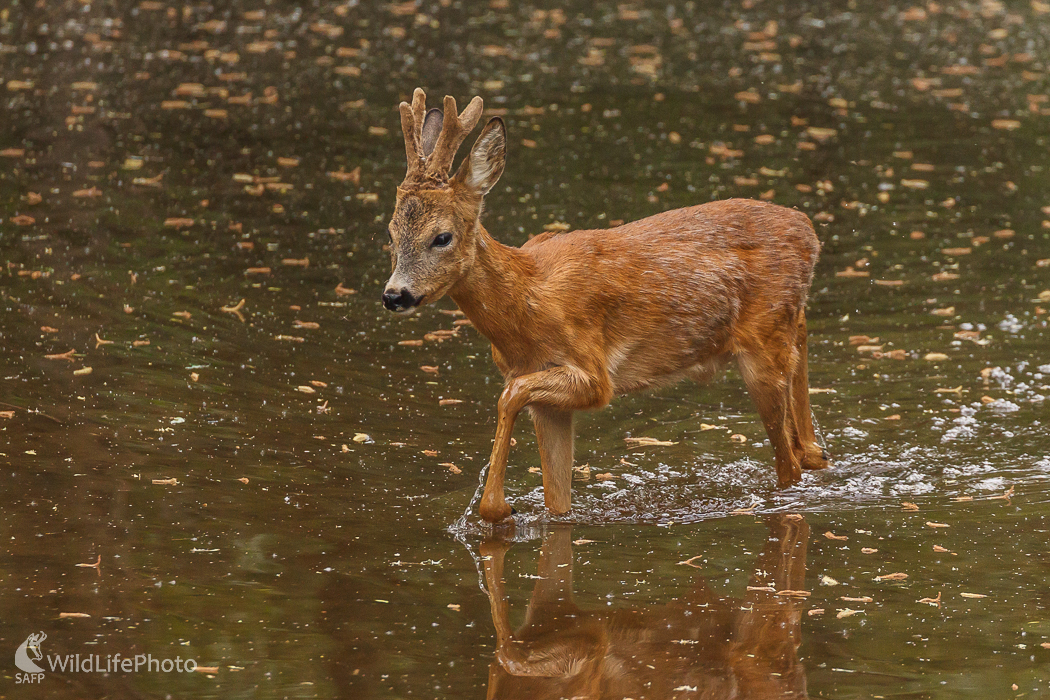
(431, 128)
(482, 168)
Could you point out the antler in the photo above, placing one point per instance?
(412, 126)
(453, 130)
(434, 165)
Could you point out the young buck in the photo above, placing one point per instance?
(577, 318)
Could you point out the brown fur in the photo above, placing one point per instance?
(577, 318)
(722, 647)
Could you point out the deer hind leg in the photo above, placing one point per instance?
(554, 433)
(812, 455)
(768, 373)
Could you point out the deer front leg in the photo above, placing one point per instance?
(561, 388)
(555, 439)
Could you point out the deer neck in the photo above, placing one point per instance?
(493, 292)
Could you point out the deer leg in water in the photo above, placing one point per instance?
(555, 437)
(766, 375)
(812, 455)
(562, 388)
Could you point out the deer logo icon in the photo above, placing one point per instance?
(29, 652)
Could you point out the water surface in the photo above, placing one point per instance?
(161, 162)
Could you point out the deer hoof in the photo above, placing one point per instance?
(815, 458)
(494, 513)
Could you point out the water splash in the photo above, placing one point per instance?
(821, 440)
(469, 530)
(709, 489)
(461, 526)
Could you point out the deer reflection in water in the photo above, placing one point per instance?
(700, 646)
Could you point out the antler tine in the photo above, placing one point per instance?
(453, 130)
(412, 126)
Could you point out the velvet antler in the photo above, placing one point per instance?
(412, 126)
(454, 129)
(430, 157)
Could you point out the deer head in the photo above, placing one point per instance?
(435, 222)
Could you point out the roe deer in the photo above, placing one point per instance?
(577, 318)
(717, 647)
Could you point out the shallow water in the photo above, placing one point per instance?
(157, 157)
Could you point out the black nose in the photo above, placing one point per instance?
(399, 301)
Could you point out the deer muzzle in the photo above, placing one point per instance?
(400, 299)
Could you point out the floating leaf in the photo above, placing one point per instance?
(68, 355)
(794, 594)
(821, 133)
(648, 442)
(1006, 124)
(892, 577)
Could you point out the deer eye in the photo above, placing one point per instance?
(389, 236)
(441, 240)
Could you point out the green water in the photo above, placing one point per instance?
(298, 561)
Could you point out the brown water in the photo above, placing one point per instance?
(311, 544)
